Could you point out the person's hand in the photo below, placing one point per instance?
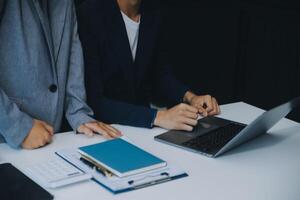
(181, 117)
(101, 128)
(206, 104)
(40, 135)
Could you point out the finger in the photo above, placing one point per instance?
(48, 138)
(215, 108)
(202, 111)
(218, 107)
(45, 136)
(105, 134)
(113, 130)
(190, 108)
(208, 102)
(42, 143)
(185, 127)
(99, 129)
(190, 115)
(108, 131)
(86, 130)
(189, 121)
(49, 128)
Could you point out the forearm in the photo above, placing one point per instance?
(14, 124)
(117, 112)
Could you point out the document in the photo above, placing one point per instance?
(55, 172)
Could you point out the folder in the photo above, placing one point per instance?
(116, 184)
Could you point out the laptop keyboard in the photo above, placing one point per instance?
(213, 141)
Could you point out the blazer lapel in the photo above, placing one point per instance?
(145, 43)
(57, 22)
(45, 28)
(120, 42)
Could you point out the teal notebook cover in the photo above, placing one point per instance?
(121, 157)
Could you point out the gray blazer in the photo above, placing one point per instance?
(41, 68)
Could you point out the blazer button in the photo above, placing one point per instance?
(53, 88)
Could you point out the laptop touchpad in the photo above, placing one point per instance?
(204, 126)
(178, 137)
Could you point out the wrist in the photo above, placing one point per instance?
(158, 117)
(188, 97)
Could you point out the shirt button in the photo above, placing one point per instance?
(53, 88)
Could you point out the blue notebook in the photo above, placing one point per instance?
(121, 158)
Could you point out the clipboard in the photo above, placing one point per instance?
(118, 185)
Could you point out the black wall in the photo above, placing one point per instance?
(203, 40)
(236, 50)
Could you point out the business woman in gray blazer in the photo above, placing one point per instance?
(42, 74)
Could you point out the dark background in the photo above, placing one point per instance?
(236, 50)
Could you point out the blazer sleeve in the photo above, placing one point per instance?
(106, 109)
(14, 124)
(166, 84)
(76, 108)
(117, 112)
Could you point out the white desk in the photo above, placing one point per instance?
(267, 168)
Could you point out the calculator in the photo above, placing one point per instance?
(55, 173)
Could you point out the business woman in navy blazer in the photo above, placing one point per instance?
(120, 84)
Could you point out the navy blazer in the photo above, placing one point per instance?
(120, 89)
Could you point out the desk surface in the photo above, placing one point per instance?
(263, 169)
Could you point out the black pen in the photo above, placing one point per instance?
(91, 165)
(157, 181)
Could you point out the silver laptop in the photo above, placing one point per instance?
(214, 136)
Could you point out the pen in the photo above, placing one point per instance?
(157, 181)
(93, 166)
(98, 167)
(87, 163)
(151, 183)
